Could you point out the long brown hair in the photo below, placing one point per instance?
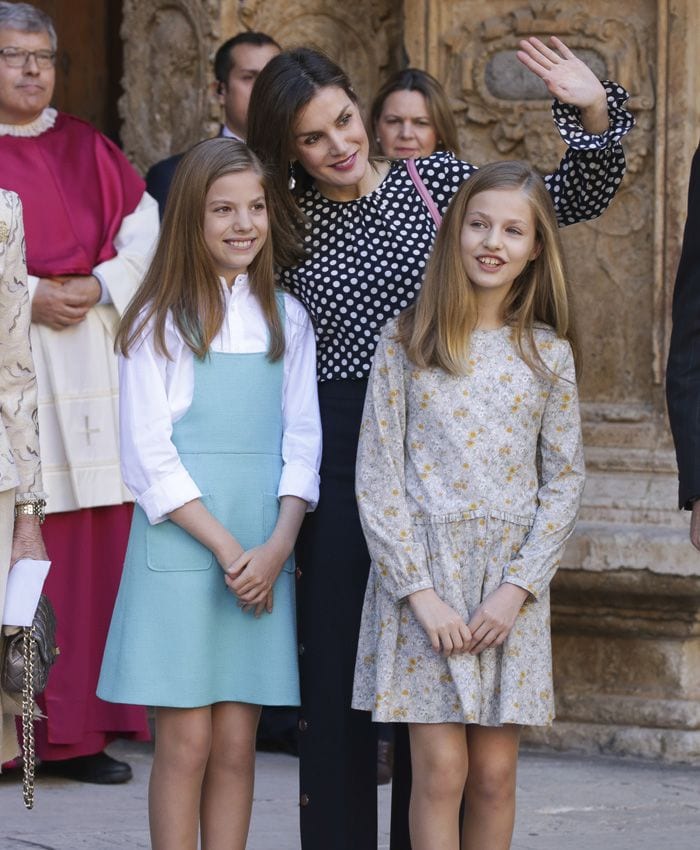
(441, 117)
(283, 88)
(182, 278)
(436, 329)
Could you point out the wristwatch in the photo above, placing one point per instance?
(37, 508)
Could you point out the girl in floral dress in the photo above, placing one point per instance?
(469, 478)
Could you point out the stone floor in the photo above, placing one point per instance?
(565, 802)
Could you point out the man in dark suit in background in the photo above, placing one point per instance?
(236, 66)
(683, 372)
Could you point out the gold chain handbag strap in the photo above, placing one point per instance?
(29, 755)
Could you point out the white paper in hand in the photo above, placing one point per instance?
(24, 586)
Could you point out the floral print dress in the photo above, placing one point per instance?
(465, 482)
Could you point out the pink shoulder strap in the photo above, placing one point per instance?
(423, 192)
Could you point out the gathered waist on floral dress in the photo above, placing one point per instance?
(484, 512)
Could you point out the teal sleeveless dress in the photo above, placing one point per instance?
(177, 636)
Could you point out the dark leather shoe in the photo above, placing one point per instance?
(11, 770)
(99, 769)
(385, 761)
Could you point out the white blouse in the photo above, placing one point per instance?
(156, 391)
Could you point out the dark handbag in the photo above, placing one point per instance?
(26, 662)
(35, 644)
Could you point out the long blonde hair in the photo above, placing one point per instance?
(182, 278)
(436, 329)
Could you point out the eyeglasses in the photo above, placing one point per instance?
(15, 57)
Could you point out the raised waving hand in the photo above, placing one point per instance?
(568, 79)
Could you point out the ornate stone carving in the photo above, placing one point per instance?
(476, 42)
(504, 111)
(166, 73)
(168, 104)
(363, 36)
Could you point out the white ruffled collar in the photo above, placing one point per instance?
(39, 125)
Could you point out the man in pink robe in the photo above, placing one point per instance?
(90, 229)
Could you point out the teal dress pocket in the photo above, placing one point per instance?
(167, 538)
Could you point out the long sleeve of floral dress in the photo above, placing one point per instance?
(400, 560)
(561, 478)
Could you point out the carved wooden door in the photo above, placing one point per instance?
(89, 65)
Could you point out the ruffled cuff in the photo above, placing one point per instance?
(403, 569)
(168, 494)
(300, 481)
(568, 121)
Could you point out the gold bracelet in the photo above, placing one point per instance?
(34, 508)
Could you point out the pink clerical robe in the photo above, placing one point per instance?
(76, 188)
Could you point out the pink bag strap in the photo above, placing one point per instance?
(423, 192)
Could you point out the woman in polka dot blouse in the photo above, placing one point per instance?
(353, 238)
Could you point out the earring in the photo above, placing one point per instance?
(377, 139)
(292, 182)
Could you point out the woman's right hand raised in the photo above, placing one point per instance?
(446, 630)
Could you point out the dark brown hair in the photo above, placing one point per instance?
(283, 88)
(441, 117)
(182, 278)
(224, 61)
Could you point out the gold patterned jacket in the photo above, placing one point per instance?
(20, 466)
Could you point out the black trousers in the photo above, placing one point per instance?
(338, 745)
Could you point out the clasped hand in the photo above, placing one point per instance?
(253, 574)
(446, 630)
(491, 622)
(61, 303)
(488, 626)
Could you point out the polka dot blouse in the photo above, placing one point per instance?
(366, 257)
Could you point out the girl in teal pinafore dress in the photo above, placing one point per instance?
(220, 445)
